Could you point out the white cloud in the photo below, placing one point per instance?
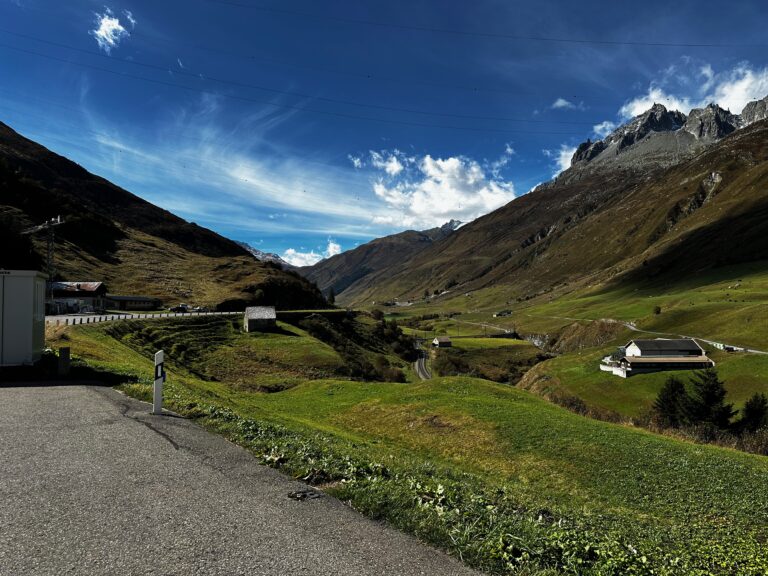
(561, 157)
(109, 32)
(297, 258)
(604, 128)
(357, 162)
(562, 104)
(736, 88)
(387, 162)
(655, 95)
(181, 64)
(130, 18)
(730, 89)
(430, 191)
(508, 150)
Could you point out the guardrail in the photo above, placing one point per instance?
(98, 318)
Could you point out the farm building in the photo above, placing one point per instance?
(260, 318)
(79, 296)
(442, 342)
(645, 356)
(115, 302)
(22, 317)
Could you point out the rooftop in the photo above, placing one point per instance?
(666, 345)
(260, 313)
(76, 286)
(666, 360)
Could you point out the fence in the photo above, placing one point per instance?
(98, 318)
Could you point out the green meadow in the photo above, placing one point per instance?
(495, 475)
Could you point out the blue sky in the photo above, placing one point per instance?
(306, 128)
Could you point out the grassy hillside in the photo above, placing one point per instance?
(508, 481)
(116, 237)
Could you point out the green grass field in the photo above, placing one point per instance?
(506, 480)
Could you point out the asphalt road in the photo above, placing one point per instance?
(90, 483)
(420, 366)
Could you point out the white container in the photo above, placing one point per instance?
(22, 316)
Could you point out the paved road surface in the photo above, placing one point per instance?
(421, 364)
(92, 484)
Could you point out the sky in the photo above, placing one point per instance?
(307, 128)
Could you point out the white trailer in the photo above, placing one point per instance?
(22, 317)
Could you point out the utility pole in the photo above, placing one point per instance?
(48, 226)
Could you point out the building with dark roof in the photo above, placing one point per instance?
(645, 356)
(115, 302)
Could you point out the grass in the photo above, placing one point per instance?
(485, 343)
(498, 476)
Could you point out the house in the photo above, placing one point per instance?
(115, 302)
(442, 342)
(259, 318)
(74, 297)
(22, 317)
(645, 356)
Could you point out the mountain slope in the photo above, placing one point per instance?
(627, 211)
(116, 237)
(356, 269)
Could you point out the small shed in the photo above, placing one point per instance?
(22, 316)
(442, 342)
(259, 318)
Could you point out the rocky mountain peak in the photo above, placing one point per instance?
(711, 122)
(754, 111)
(656, 119)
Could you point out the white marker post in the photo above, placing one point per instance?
(157, 389)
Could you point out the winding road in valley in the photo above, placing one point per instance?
(420, 366)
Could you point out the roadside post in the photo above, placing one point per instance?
(157, 389)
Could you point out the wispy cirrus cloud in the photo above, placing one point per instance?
(109, 31)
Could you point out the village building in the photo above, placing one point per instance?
(260, 318)
(78, 297)
(661, 354)
(115, 302)
(442, 342)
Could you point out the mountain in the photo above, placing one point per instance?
(664, 195)
(265, 256)
(358, 269)
(113, 236)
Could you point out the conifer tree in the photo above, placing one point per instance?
(669, 407)
(706, 403)
(754, 415)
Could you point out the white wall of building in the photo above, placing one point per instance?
(22, 316)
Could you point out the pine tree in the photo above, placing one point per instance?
(754, 415)
(706, 404)
(671, 403)
(331, 296)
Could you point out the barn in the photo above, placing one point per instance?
(644, 356)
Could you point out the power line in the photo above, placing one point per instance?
(482, 34)
(240, 84)
(270, 103)
(353, 74)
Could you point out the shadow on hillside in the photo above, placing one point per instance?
(704, 249)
